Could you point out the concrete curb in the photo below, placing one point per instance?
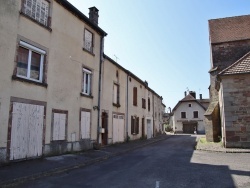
(215, 147)
(14, 182)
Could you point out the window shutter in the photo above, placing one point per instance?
(137, 125)
(135, 96)
(132, 125)
(148, 104)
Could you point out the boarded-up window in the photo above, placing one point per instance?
(135, 96)
(196, 114)
(88, 40)
(143, 103)
(85, 124)
(134, 125)
(183, 114)
(149, 104)
(59, 125)
(37, 10)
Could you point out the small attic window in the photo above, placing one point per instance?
(189, 105)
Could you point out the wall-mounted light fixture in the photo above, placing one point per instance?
(95, 108)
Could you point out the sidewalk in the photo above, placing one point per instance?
(19, 172)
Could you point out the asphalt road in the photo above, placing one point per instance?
(169, 163)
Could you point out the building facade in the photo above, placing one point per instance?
(230, 44)
(188, 115)
(53, 79)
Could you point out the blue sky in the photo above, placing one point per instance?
(165, 42)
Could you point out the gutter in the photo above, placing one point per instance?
(127, 110)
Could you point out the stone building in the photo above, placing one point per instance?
(227, 115)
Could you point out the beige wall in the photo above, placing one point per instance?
(109, 77)
(65, 59)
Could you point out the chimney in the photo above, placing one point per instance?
(193, 94)
(200, 96)
(93, 15)
(185, 94)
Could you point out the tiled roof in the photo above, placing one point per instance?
(229, 29)
(239, 67)
(188, 98)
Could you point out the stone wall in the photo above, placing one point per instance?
(236, 92)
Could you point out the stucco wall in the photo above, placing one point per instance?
(65, 59)
(184, 107)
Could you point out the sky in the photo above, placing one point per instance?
(165, 42)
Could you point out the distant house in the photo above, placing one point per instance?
(188, 114)
(228, 114)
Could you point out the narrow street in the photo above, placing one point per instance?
(169, 163)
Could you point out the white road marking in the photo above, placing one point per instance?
(157, 184)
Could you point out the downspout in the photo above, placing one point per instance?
(153, 114)
(127, 110)
(99, 88)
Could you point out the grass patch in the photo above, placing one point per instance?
(203, 140)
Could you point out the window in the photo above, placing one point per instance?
(149, 104)
(135, 96)
(30, 62)
(59, 124)
(143, 103)
(86, 87)
(116, 96)
(189, 105)
(196, 114)
(183, 114)
(88, 41)
(134, 125)
(37, 10)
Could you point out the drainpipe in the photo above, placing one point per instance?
(127, 109)
(99, 88)
(153, 114)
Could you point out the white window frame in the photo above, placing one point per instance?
(87, 87)
(37, 50)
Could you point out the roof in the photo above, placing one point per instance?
(229, 29)
(144, 83)
(241, 66)
(188, 98)
(68, 6)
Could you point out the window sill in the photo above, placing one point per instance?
(14, 77)
(88, 96)
(35, 21)
(116, 105)
(91, 53)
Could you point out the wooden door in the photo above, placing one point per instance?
(118, 128)
(85, 125)
(149, 129)
(105, 127)
(26, 131)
